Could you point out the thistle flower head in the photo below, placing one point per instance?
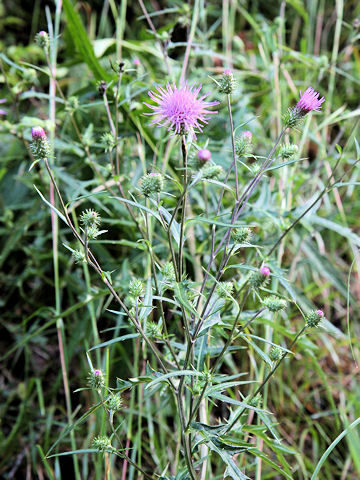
(151, 183)
(38, 133)
(89, 218)
(259, 278)
(115, 402)
(241, 235)
(247, 134)
(243, 144)
(224, 289)
(42, 39)
(313, 318)
(153, 330)
(204, 155)
(168, 271)
(79, 256)
(264, 270)
(39, 147)
(275, 354)
(288, 150)
(180, 109)
(103, 444)
(136, 62)
(274, 303)
(227, 82)
(308, 102)
(211, 171)
(136, 288)
(96, 379)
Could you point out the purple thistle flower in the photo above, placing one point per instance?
(38, 133)
(247, 134)
(265, 271)
(320, 313)
(3, 112)
(309, 101)
(136, 62)
(180, 108)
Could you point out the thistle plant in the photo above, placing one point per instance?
(198, 276)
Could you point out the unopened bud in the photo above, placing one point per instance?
(152, 183)
(42, 39)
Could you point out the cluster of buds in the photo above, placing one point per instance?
(274, 303)
(257, 279)
(102, 443)
(39, 147)
(224, 289)
(42, 39)
(313, 318)
(115, 402)
(276, 354)
(227, 83)
(243, 145)
(241, 235)
(136, 288)
(168, 271)
(211, 171)
(96, 379)
(288, 150)
(152, 183)
(309, 101)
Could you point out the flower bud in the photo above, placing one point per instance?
(136, 62)
(275, 354)
(96, 379)
(204, 155)
(227, 83)
(243, 144)
(153, 330)
(89, 218)
(313, 318)
(288, 150)
(39, 147)
(224, 289)
(259, 278)
(79, 256)
(152, 183)
(92, 232)
(103, 444)
(274, 304)
(264, 270)
(108, 140)
(136, 288)
(168, 271)
(241, 235)
(211, 171)
(115, 402)
(42, 39)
